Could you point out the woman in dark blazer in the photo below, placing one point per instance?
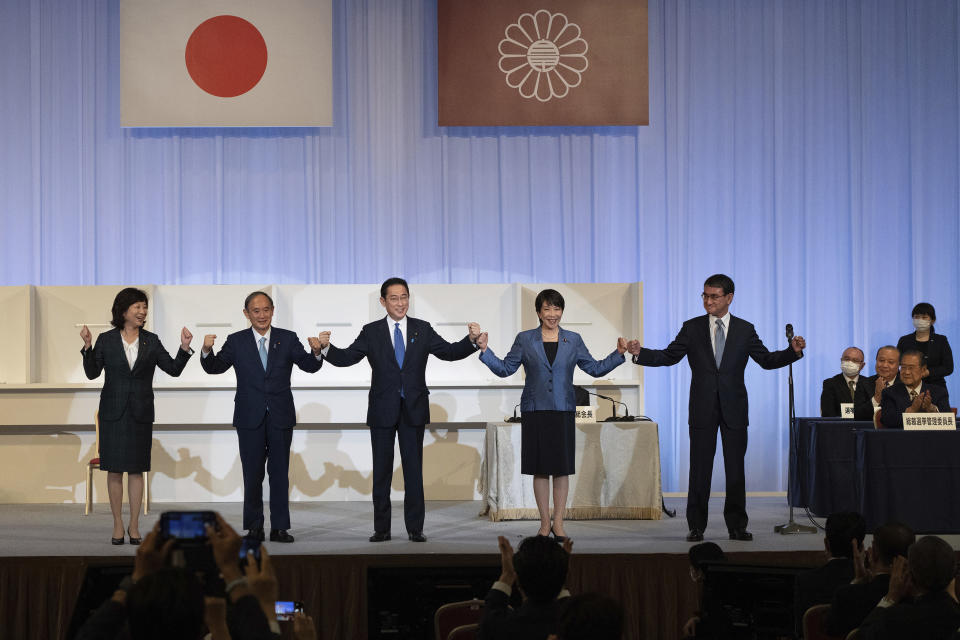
(547, 445)
(931, 344)
(130, 354)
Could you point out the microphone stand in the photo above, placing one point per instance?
(791, 526)
(514, 418)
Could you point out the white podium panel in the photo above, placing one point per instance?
(59, 314)
(15, 363)
(201, 309)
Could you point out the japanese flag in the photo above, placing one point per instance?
(233, 63)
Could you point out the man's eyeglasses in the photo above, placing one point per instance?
(712, 296)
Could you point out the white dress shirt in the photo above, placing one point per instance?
(391, 323)
(131, 350)
(725, 321)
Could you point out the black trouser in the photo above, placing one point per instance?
(271, 446)
(703, 447)
(411, 458)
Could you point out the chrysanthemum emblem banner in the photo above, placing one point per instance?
(234, 63)
(543, 62)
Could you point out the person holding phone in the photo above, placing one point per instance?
(129, 354)
(547, 405)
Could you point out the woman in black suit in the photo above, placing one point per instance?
(931, 344)
(130, 354)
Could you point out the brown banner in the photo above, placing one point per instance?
(543, 62)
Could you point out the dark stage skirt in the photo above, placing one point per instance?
(547, 443)
(125, 444)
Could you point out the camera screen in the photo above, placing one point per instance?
(286, 608)
(186, 525)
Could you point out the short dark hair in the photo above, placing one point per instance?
(389, 282)
(722, 281)
(888, 346)
(590, 616)
(891, 540)
(166, 604)
(541, 566)
(548, 296)
(124, 300)
(924, 309)
(841, 528)
(932, 563)
(705, 552)
(915, 352)
(250, 298)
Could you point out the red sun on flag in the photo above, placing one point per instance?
(226, 56)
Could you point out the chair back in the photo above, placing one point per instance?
(95, 461)
(813, 620)
(853, 634)
(456, 614)
(464, 632)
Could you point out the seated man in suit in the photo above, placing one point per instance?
(911, 394)
(845, 387)
(540, 569)
(921, 600)
(853, 602)
(589, 616)
(886, 366)
(817, 586)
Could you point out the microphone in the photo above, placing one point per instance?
(614, 418)
(789, 332)
(514, 418)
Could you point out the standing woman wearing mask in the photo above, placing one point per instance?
(931, 344)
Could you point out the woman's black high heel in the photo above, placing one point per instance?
(133, 541)
(560, 539)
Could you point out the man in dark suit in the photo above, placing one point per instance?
(886, 366)
(921, 601)
(853, 602)
(397, 349)
(847, 387)
(912, 394)
(817, 586)
(263, 414)
(717, 346)
(540, 568)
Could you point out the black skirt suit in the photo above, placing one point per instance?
(126, 400)
(548, 402)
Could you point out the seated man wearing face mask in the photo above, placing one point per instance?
(845, 387)
(887, 369)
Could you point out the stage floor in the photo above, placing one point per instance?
(342, 528)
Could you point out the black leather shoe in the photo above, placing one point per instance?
(560, 539)
(380, 536)
(280, 535)
(741, 534)
(417, 536)
(116, 540)
(695, 535)
(133, 541)
(255, 534)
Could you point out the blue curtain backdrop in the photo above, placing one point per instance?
(808, 148)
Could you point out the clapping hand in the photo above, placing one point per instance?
(634, 347)
(798, 344)
(482, 341)
(861, 571)
(507, 573)
(926, 404)
(185, 338)
(900, 586)
(621, 345)
(86, 336)
(473, 330)
(208, 342)
(917, 404)
(878, 389)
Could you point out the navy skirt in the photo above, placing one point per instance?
(547, 443)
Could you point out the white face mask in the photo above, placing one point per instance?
(921, 325)
(850, 368)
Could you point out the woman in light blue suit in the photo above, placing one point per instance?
(547, 445)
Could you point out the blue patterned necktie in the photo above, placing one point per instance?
(263, 352)
(718, 341)
(398, 346)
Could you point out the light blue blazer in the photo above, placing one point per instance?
(549, 387)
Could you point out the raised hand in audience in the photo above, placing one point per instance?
(225, 543)
(151, 556)
(215, 617)
(303, 628)
(633, 347)
(473, 330)
(87, 337)
(927, 404)
(878, 389)
(208, 342)
(862, 563)
(917, 405)
(185, 338)
(482, 341)
(900, 586)
(263, 583)
(507, 573)
(621, 345)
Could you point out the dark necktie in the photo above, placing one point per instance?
(853, 387)
(398, 347)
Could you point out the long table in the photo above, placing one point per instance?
(910, 476)
(618, 473)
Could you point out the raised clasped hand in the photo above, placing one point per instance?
(324, 339)
(185, 338)
(86, 336)
(633, 347)
(314, 345)
(208, 342)
(482, 341)
(621, 345)
(474, 331)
